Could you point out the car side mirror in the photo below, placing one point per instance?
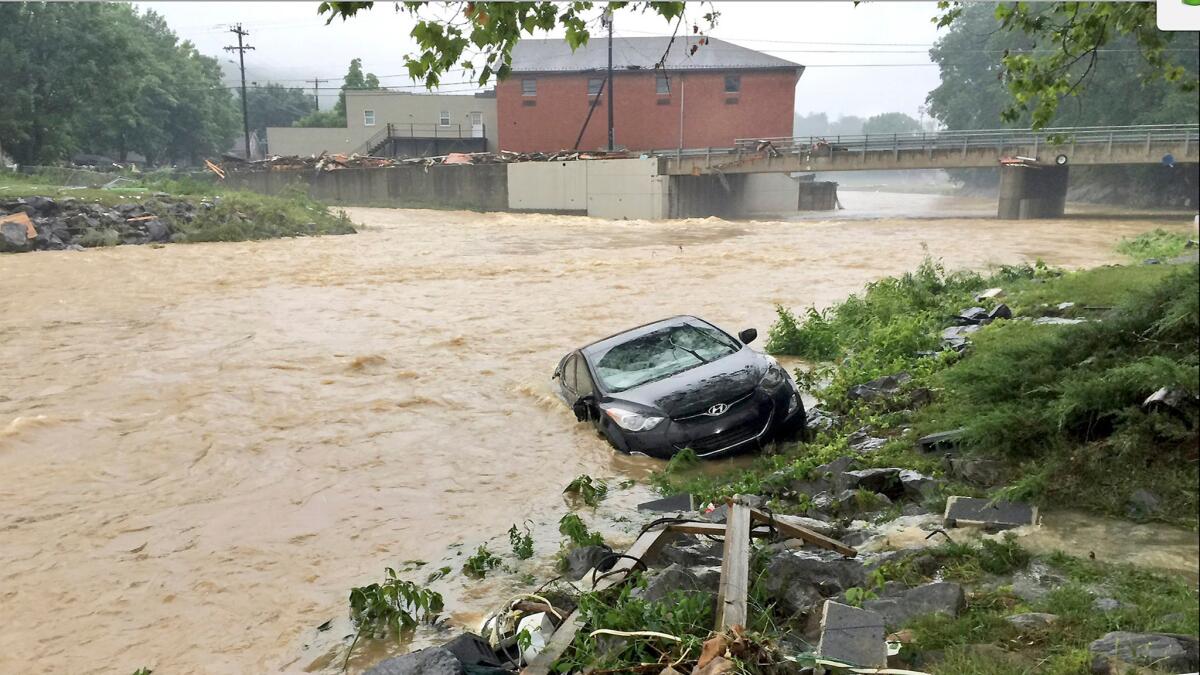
(583, 408)
(747, 336)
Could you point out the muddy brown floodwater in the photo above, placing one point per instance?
(203, 447)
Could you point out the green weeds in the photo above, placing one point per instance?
(522, 544)
(587, 489)
(1158, 243)
(576, 531)
(479, 562)
(394, 608)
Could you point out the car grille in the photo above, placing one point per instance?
(750, 429)
(704, 416)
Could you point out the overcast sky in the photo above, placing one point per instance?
(861, 60)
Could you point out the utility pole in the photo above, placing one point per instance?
(241, 50)
(317, 93)
(611, 90)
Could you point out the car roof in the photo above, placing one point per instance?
(604, 344)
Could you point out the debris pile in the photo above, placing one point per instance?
(335, 162)
(42, 223)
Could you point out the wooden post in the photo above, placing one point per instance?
(735, 568)
(804, 534)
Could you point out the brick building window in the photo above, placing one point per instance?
(368, 118)
(529, 87)
(733, 84)
(594, 85)
(662, 84)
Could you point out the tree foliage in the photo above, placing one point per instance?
(106, 78)
(479, 36)
(1053, 51)
(891, 123)
(274, 105)
(355, 79)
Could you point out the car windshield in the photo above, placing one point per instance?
(661, 354)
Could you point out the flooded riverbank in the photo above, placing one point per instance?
(206, 446)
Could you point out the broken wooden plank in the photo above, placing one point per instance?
(735, 568)
(804, 534)
(714, 529)
(646, 544)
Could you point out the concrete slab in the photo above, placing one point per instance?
(972, 511)
(942, 441)
(852, 636)
(681, 502)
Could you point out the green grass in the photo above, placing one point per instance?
(234, 216)
(1159, 244)
(1059, 405)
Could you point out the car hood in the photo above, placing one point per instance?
(695, 390)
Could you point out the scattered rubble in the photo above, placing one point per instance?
(880, 389)
(41, 223)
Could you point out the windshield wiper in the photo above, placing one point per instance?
(679, 346)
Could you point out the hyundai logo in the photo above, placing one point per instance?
(718, 409)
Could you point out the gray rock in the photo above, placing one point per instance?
(942, 441)
(1143, 504)
(1056, 321)
(157, 230)
(1163, 651)
(886, 481)
(972, 315)
(854, 502)
(941, 597)
(820, 420)
(13, 238)
(917, 486)
(692, 552)
(430, 661)
(978, 471)
(1032, 621)
(581, 560)
(670, 579)
(1106, 604)
(835, 468)
(853, 636)
(1001, 311)
(863, 443)
(879, 389)
(471, 650)
(1036, 582)
(828, 572)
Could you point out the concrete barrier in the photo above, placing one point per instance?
(482, 187)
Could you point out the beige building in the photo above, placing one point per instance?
(399, 124)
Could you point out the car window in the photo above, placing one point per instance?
(660, 354)
(583, 379)
(568, 372)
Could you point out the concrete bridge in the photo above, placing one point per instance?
(1034, 164)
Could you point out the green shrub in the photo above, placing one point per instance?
(1157, 243)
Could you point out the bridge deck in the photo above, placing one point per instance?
(942, 150)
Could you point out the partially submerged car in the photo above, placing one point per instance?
(681, 383)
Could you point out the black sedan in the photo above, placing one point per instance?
(681, 383)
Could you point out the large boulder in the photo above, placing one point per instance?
(793, 576)
(881, 389)
(1168, 652)
(430, 661)
(978, 471)
(886, 481)
(917, 486)
(690, 551)
(13, 238)
(662, 583)
(941, 597)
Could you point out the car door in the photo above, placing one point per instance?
(585, 388)
(566, 378)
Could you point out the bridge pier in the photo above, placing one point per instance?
(1032, 192)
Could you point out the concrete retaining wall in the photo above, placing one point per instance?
(479, 187)
(553, 187)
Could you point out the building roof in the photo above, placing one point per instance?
(555, 55)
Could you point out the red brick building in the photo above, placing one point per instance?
(702, 99)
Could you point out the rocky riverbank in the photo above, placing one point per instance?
(41, 223)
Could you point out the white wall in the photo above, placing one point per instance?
(769, 193)
(604, 188)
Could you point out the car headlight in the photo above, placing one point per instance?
(632, 421)
(793, 403)
(773, 377)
